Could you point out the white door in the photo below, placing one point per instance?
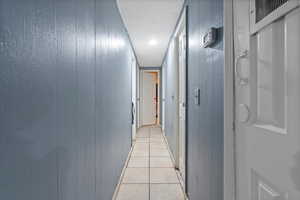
(148, 98)
(182, 102)
(134, 98)
(267, 89)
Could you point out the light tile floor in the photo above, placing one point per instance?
(150, 174)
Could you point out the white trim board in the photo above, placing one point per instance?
(229, 138)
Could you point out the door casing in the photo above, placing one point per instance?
(229, 178)
(140, 99)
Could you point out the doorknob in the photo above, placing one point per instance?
(240, 79)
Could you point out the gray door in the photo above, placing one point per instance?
(267, 88)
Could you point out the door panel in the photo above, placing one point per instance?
(148, 98)
(267, 107)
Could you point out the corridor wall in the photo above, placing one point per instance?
(65, 99)
(170, 66)
(205, 121)
(204, 126)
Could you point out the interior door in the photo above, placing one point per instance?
(149, 98)
(182, 102)
(267, 89)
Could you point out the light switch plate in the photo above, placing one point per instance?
(197, 96)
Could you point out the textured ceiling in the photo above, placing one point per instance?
(150, 24)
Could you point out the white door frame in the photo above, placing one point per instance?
(229, 102)
(140, 88)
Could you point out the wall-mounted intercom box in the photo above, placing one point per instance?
(210, 38)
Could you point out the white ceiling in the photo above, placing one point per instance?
(150, 21)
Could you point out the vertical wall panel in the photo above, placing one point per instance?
(113, 64)
(171, 100)
(85, 65)
(65, 88)
(66, 99)
(205, 122)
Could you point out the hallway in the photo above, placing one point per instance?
(149, 100)
(150, 174)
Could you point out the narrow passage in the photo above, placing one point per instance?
(150, 174)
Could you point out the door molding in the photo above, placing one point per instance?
(142, 70)
(229, 182)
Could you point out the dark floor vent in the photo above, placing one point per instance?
(265, 7)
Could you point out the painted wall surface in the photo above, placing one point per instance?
(205, 122)
(171, 96)
(65, 99)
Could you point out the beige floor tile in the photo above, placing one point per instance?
(144, 128)
(158, 146)
(133, 192)
(163, 175)
(136, 175)
(141, 145)
(157, 140)
(158, 143)
(156, 136)
(159, 152)
(142, 140)
(161, 162)
(138, 162)
(166, 192)
(143, 132)
(158, 132)
(143, 135)
(140, 152)
(156, 129)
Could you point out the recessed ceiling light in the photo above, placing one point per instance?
(153, 42)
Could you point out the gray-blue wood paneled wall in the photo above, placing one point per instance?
(205, 122)
(65, 99)
(171, 96)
